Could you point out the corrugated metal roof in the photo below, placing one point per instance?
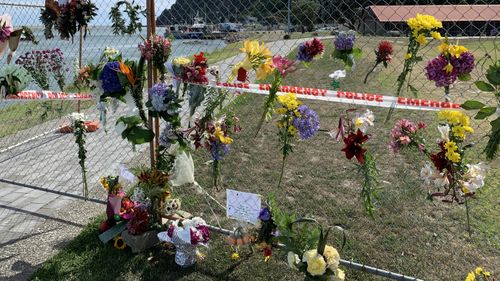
(441, 12)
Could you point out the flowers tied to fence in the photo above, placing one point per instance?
(77, 122)
(352, 129)
(421, 26)
(345, 50)
(454, 62)
(39, 63)
(383, 55)
(67, 17)
(295, 119)
(13, 79)
(454, 179)
(156, 50)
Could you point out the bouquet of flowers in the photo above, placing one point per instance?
(345, 50)
(186, 235)
(454, 61)
(9, 38)
(193, 74)
(383, 55)
(115, 194)
(282, 66)
(154, 184)
(352, 130)
(267, 232)
(215, 136)
(422, 26)
(257, 57)
(67, 16)
(479, 274)
(6, 30)
(156, 50)
(295, 119)
(39, 63)
(454, 179)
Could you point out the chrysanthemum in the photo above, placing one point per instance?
(307, 123)
(310, 50)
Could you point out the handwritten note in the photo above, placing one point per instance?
(243, 206)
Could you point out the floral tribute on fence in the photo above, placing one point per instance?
(345, 50)
(156, 50)
(10, 37)
(383, 55)
(447, 171)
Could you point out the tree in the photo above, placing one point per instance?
(305, 12)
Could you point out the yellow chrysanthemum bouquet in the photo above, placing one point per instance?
(422, 27)
(479, 274)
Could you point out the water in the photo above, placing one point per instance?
(100, 37)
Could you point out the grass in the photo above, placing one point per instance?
(408, 235)
(25, 115)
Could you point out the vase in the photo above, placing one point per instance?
(185, 255)
(115, 202)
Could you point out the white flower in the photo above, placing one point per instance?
(427, 173)
(444, 130)
(337, 74)
(75, 116)
(194, 222)
(365, 120)
(109, 52)
(293, 259)
(339, 275)
(441, 180)
(476, 170)
(309, 255)
(473, 184)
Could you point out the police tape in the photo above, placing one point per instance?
(346, 97)
(365, 99)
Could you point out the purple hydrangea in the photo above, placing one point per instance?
(435, 72)
(345, 41)
(464, 64)
(308, 122)
(109, 78)
(167, 135)
(161, 95)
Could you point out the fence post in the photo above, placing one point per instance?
(150, 22)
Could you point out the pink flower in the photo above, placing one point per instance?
(284, 65)
(404, 140)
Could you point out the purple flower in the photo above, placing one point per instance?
(205, 233)
(310, 49)
(161, 95)
(5, 29)
(218, 150)
(109, 78)
(464, 64)
(307, 123)
(167, 135)
(435, 71)
(265, 214)
(345, 41)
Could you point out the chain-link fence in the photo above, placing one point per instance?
(39, 170)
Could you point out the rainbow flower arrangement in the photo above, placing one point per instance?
(447, 171)
(352, 129)
(421, 26)
(296, 119)
(156, 49)
(345, 50)
(454, 62)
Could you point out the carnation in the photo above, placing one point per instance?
(316, 266)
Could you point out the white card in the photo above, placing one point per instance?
(243, 206)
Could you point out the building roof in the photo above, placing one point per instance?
(444, 13)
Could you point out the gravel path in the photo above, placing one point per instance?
(40, 185)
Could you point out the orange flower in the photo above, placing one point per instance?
(128, 72)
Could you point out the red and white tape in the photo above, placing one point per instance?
(49, 95)
(365, 99)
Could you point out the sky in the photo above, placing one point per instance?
(30, 15)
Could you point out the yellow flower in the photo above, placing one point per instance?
(316, 266)
(421, 39)
(408, 56)
(252, 48)
(119, 243)
(459, 131)
(332, 257)
(220, 135)
(289, 101)
(181, 61)
(443, 48)
(309, 255)
(450, 146)
(292, 130)
(264, 70)
(470, 277)
(104, 183)
(280, 110)
(424, 22)
(455, 117)
(453, 156)
(235, 256)
(448, 68)
(339, 275)
(436, 35)
(456, 50)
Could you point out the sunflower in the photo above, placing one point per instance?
(119, 243)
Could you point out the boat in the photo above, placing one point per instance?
(196, 31)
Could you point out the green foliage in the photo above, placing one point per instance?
(134, 132)
(472, 104)
(485, 112)
(14, 79)
(79, 132)
(132, 11)
(483, 86)
(370, 174)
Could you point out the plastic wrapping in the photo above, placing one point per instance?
(183, 171)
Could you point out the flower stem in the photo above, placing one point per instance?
(447, 97)
(468, 219)
(216, 173)
(269, 104)
(282, 170)
(369, 72)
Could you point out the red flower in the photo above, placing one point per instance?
(267, 253)
(200, 58)
(354, 146)
(242, 75)
(384, 51)
(421, 125)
